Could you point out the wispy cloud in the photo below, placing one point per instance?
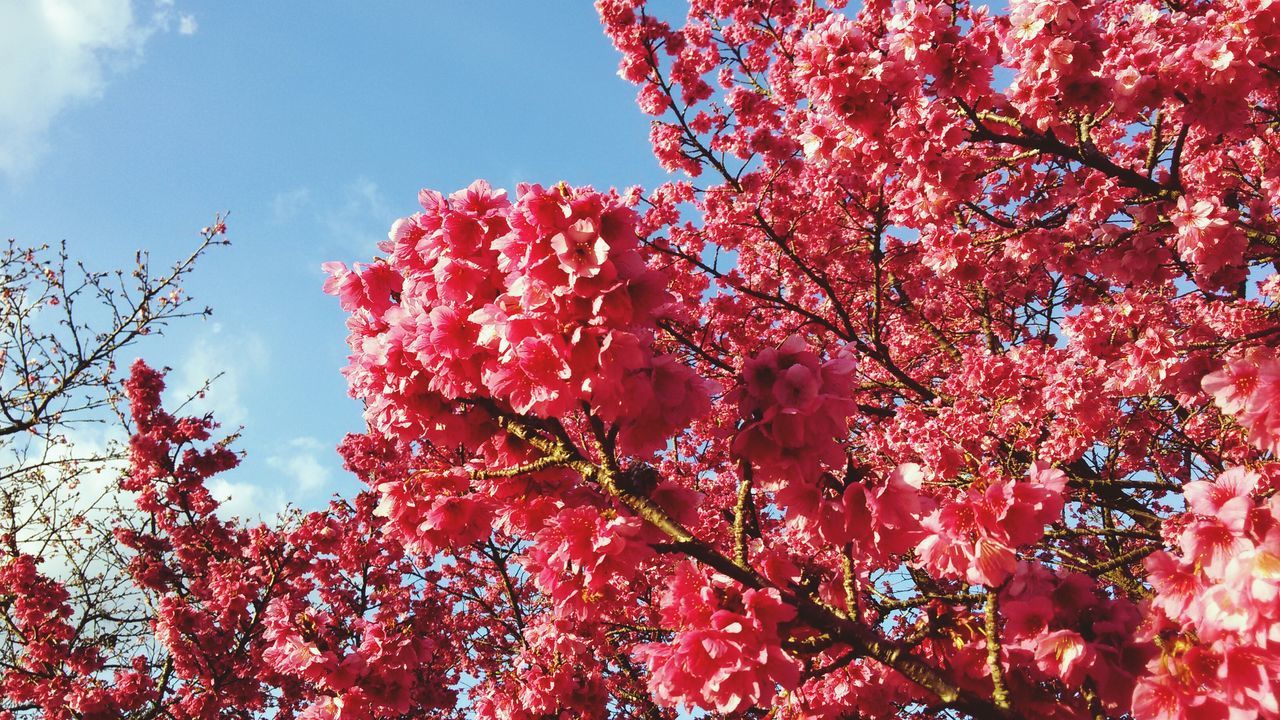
(301, 463)
(55, 53)
(246, 501)
(72, 475)
(303, 472)
(229, 360)
(360, 217)
(287, 205)
(187, 24)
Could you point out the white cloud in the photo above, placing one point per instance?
(286, 205)
(187, 24)
(55, 53)
(361, 217)
(246, 501)
(302, 464)
(70, 475)
(229, 360)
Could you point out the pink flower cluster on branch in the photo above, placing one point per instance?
(1216, 607)
(727, 650)
(542, 305)
(974, 536)
(324, 618)
(61, 677)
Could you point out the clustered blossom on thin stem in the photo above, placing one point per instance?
(1249, 388)
(975, 535)
(1216, 606)
(319, 619)
(727, 649)
(542, 304)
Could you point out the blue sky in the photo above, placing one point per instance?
(126, 124)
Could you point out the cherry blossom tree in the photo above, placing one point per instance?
(62, 326)
(941, 381)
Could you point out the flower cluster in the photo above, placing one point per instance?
(377, 677)
(1249, 388)
(542, 305)
(1067, 628)
(1052, 45)
(975, 535)
(582, 558)
(1208, 237)
(794, 406)
(555, 674)
(429, 510)
(726, 654)
(1217, 605)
